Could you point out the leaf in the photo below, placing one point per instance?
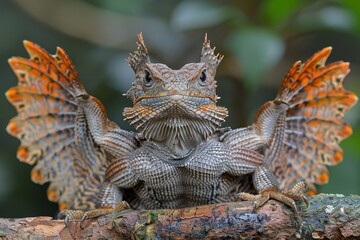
(190, 15)
(257, 51)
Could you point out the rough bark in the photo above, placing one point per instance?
(329, 216)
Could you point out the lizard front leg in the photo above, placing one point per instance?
(265, 137)
(267, 186)
(110, 202)
(118, 173)
(92, 123)
(248, 161)
(105, 133)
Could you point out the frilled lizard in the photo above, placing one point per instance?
(179, 156)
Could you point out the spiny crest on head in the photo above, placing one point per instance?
(208, 54)
(140, 56)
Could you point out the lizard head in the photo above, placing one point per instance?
(176, 108)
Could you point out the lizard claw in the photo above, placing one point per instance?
(70, 215)
(78, 215)
(288, 197)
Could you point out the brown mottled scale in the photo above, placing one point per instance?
(46, 126)
(181, 156)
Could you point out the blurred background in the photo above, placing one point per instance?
(260, 41)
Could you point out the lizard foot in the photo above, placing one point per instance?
(78, 215)
(287, 197)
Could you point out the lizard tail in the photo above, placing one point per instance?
(48, 123)
(308, 136)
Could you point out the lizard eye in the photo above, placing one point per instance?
(202, 78)
(148, 80)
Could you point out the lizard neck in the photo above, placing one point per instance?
(178, 134)
(179, 125)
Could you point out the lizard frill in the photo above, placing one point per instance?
(314, 125)
(48, 123)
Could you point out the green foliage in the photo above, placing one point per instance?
(353, 9)
(123, 6)
(259, 46)
(277, 13)
(190, 15)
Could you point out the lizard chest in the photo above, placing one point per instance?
(164, 182)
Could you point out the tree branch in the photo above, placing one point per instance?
(329, 216)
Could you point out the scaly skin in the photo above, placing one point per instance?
(180, 155)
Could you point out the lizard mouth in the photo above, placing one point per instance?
(174, 97)
(183, 108)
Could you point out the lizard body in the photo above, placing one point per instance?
(179, 156)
